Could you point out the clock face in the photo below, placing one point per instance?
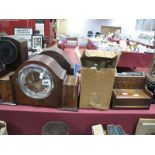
(35, 81)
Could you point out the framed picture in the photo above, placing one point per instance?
(25, 33)
(37, 41)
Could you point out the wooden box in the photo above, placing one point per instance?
(70, 93)
(131, 92)
(6, 90)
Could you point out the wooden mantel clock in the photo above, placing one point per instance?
(61, 57)
(13, 52)
(39, 82)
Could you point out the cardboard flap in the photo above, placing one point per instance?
(101, 54)
(100, 59)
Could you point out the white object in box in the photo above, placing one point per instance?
(3, 128)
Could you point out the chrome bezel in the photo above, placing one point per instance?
(28, 92)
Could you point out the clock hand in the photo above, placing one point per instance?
(33, 78)
(34, 75)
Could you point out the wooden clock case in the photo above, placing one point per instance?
(13, 52)
(61, 57)
(58, 74)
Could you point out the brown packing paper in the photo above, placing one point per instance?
(96, 88)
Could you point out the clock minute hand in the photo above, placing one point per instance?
(34, 76)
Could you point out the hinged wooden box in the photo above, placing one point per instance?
(131, 92)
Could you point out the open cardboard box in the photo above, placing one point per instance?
(97, 85)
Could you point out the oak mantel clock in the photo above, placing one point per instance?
(39, 82)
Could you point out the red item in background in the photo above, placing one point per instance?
(50, 30)
(130, 59)
(47, 28)
(8, 25)
(91, 45)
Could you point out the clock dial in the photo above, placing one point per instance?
(35, 81)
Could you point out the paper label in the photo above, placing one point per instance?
(46, 82)
(124, 93)
(41, 75)
(135, 94)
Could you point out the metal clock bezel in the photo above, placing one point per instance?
(27, 91)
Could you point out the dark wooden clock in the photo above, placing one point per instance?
(13, 51)
(61, 57)
(39, 82)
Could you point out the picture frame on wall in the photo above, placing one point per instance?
(37, 41)
(25, 33)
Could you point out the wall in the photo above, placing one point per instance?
(82, 26)
(128, 25)
(62, 26)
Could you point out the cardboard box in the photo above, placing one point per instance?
(96, 88)
(97, 78)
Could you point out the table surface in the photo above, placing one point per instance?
(24, 108)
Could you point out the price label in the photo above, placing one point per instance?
(46, 82)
